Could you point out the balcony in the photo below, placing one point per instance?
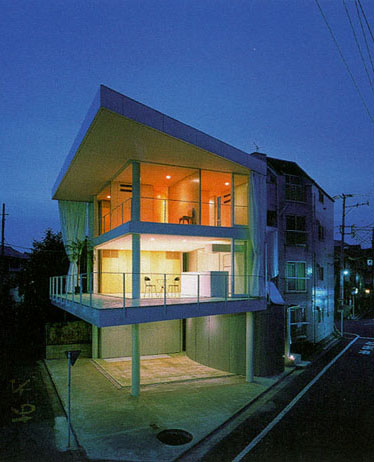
(160, 210)
(105, 299)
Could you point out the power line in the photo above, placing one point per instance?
(367, 23)
(358, 45)
(345, 62)
(364, 35)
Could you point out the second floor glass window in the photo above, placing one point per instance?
(296, 230)
(295, 189)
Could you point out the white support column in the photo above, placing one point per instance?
(136, 266)
(135, 363)
(250, 347)
(95, 342)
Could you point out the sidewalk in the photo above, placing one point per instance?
(110, 424)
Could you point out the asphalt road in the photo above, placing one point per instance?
(333, 420)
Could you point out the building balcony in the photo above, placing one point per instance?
(161, 210)
(106, 299)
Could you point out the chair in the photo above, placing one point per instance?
(173, 288)
(149, 287)
(190, 219)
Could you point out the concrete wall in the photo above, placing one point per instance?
(155, 338)
(217, 341)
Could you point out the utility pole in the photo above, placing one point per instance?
(2, 268)
(341, 288)
(342, 231)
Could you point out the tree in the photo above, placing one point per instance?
(47, 258)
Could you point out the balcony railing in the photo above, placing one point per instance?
(160, 210)
(115, 290)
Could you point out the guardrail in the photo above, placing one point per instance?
(100, 290)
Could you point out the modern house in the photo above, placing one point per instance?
(182, 258)
(301, 213)
(177, 223)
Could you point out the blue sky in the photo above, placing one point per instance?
(247, 72)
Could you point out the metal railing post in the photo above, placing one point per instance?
(124, 289)
(80, 289)
(91, 286)
(164, 290)
(72, 288)
(198, 289)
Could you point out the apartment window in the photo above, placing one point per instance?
(295, 189)
(296, 230)
(272, 218)
(320, 272)
(296, 276)
(321, 197)
(321, 231)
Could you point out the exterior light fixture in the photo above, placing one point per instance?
(367, 291)
(168, 177)
(346, 272)
(227, 183)
(108, 197)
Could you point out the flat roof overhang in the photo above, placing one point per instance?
(106, 317)
(118, 129)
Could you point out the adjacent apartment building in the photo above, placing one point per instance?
(302, 213)
(182, 258)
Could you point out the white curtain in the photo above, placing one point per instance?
(257, 223)
(272, 252)
(73, 217)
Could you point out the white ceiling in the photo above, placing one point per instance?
(113, 139)
(157, 242)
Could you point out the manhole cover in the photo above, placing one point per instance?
(174, 437)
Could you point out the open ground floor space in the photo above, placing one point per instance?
(110, 424)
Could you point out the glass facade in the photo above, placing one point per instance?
(178, 195)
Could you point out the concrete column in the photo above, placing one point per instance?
(135, 203)
(136, 266)
(250, 348)
(95, 342)
(135, 363)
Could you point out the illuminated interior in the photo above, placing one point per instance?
(171, 194)
(165, 258)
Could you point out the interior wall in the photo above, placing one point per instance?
(147, 203)
(183, 197)
(153, 265)
(155, 338)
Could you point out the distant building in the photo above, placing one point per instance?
(13, 263)
(358, 277)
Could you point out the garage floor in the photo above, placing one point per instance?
(156, 369)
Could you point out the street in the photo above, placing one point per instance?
(332, 421)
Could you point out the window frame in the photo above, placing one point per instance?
(297, 279)
(297, 231)
(295, 190)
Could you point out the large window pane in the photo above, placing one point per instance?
(216, 201)
(241, 199)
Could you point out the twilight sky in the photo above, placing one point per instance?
(249, 72)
